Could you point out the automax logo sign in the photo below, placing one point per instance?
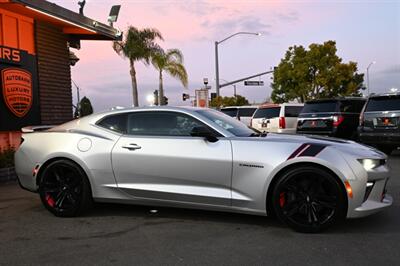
(17, 90)
(19, 103)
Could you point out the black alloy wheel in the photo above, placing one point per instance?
(309, 199)
(64, 189)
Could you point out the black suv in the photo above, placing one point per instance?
(337, 117)
(380, 122)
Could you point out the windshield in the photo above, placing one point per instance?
(232, 112)
(387, 103)
(267, 112)
(230, 124)
(320, 107)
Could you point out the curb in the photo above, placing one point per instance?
(7, 174)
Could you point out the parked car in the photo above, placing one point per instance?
(200, 158)
(241, 113)
(380, 122)
(337, 117)
(277, 118)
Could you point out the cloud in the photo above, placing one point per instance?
(216, 29)
(391, 70)
(289, 16)
(200, 8)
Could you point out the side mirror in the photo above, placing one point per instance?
(204, 132)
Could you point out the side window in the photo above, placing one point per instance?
(351, 106)
(292, 111)
(115, 123)
(161, 124)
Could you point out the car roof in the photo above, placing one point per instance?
(274, 105)
(338, 99)
(239, 107)
(397, 93)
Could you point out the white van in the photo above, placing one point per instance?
(241, 113)
(277, 118)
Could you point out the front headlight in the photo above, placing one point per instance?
(370, 164)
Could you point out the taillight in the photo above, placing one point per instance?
(282, 122)
(337, 120)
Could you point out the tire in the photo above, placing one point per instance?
(64, 189)
(386, 149)
(310, 199)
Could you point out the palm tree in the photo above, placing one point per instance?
(170, 61)
(138, 45)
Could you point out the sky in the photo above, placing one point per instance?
(364, 31)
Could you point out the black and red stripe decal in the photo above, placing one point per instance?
(307, 149)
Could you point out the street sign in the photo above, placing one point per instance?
(253, 83)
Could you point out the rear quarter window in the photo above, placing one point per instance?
(292, 111)
(115, 123)
(354, 106)
(232, 112)
(387, 103)
(247, 111)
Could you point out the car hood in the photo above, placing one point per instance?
(346, 146)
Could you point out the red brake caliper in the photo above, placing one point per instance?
(282, 199)
(50, 200)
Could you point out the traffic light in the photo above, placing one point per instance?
(213, 95)
(185, 96)
(155, 97)
(165, 100)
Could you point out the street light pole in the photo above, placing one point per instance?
(370, 64)
(216, 70)
(216, 56)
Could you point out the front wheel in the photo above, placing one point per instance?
(308, 199)
(64, 189)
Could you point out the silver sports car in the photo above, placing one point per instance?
(200, 158)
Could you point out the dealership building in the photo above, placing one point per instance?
(35, 63)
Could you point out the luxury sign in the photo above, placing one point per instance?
(17, 90)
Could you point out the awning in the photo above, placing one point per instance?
(77, 26)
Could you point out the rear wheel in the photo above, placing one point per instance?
(64, 189)
(308, 199)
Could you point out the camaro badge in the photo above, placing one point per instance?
(17, 90)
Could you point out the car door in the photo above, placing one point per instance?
(159, 159)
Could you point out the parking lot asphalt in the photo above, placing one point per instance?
(133, 235)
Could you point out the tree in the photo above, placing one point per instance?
(170, 61)
(85, 108)
(138, 45)
(313, 74)
(229, 101)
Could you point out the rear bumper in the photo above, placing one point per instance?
(380, 138)
(331, 133)
(24, 169)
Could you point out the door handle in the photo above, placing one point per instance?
(132, 147)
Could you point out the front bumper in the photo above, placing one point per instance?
(375, 202)
(366, 200)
